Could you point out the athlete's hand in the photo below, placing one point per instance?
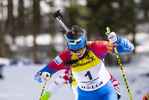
(45, 77)
(42, 77)
(112, 37)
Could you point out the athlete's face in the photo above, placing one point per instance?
(80, 54)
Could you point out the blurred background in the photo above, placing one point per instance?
(28, 32)
(29, 35)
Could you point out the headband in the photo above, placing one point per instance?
(77, 43)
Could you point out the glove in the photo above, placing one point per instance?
(45, 77)
(37, 77)
(46, 96)
(42, 77)
(112, 37)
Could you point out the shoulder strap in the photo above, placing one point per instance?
(94, 52)
(68, 51)
(69, 56)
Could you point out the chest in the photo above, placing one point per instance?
(86, 63)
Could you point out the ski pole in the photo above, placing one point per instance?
(120, 64)
(44, 85)
(56, 15)
(48, 75)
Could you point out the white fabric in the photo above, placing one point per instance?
(54, 87)
(60, 81)
(45, 77)
(112, 37)
(74, 89)
(99, 74)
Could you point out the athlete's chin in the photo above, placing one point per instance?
(80, 55)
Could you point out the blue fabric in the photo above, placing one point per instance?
(47, 68)
(79, 45)
(123, 45)
(37, 77)
(106, 92)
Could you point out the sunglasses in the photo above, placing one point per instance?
(78, 51)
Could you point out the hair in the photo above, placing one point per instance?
(75, 32)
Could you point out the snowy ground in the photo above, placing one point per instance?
(18, 82)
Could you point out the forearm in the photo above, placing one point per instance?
(59, 82)
(54, 87)
(123, 45)
(47, 68)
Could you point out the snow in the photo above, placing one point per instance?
(136, 75)
(19, 84)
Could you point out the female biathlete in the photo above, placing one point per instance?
(88, 70)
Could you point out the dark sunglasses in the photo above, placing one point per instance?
(78, 51)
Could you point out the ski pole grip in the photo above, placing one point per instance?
(108, 30)
(57, 14)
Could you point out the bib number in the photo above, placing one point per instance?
(89, 75)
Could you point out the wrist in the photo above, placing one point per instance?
(118, 40)
(45, 77)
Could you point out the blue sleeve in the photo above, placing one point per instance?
(47, 68)
(123, 45)
(52, 71)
